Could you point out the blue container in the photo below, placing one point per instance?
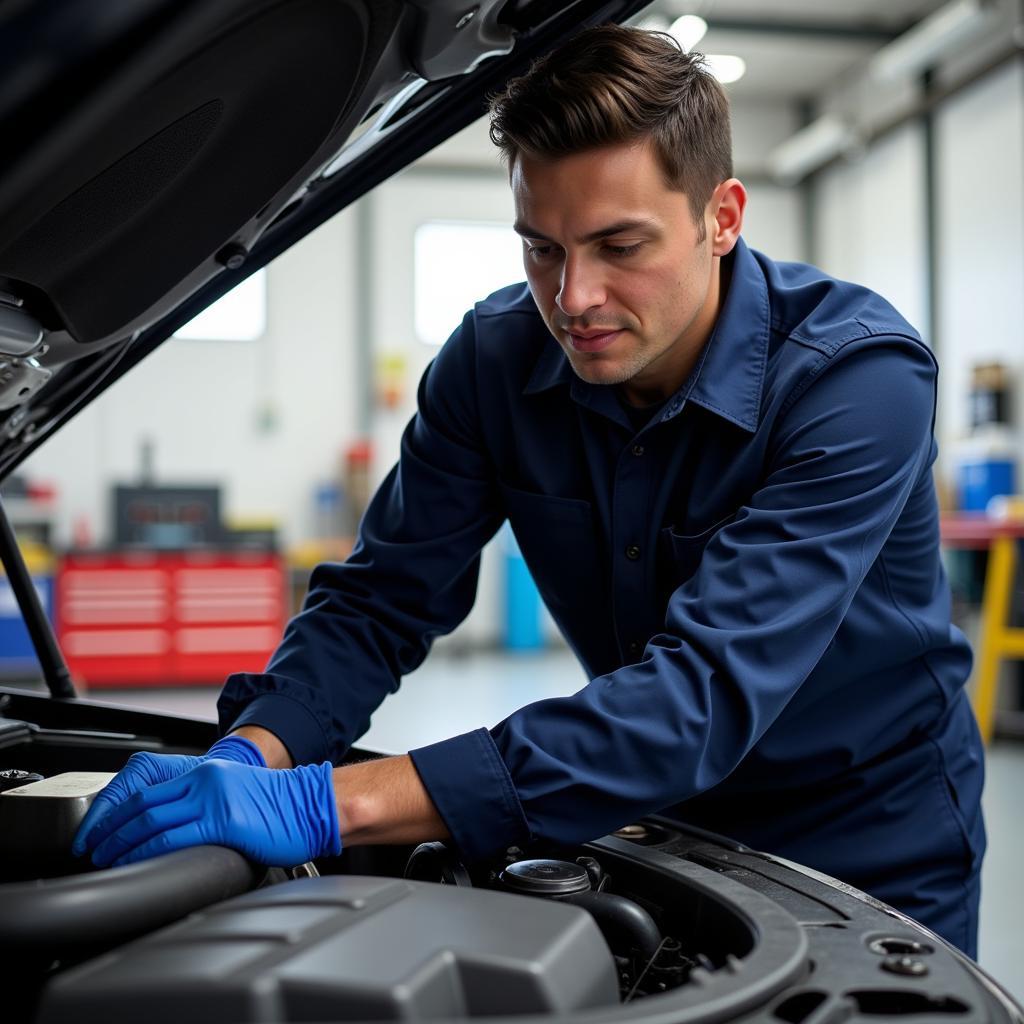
(981, 480)
(522, 600)
(17, 655)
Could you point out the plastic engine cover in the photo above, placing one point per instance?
(348, 948)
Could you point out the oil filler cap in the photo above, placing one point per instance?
(545, 878)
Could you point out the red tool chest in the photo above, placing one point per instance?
(168, 618)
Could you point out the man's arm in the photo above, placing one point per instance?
(411, 577)
(367, 623)
(379, 801)
(283, 816)
(274, 752)
(384, 801)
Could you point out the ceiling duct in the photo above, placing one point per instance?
(811, 147)
(939, 35)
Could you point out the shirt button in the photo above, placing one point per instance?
(638, 449)
(632, 552)
(634, 647)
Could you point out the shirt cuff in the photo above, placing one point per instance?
(473, 792)
(290, 721)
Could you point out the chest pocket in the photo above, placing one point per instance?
(558, 540)
(679, 555)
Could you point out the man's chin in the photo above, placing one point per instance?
(600, 371)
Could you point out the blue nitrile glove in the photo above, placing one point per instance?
(147, 769)
(274, 816)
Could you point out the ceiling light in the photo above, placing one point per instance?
(688, 31)
(937, 36)
(654, 23)
(810, 148)
(726, 67)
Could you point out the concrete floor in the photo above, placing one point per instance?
(449, 695)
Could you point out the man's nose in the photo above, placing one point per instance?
(581, 287)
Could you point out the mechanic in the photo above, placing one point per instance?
(718, 468)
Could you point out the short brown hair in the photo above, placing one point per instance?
(610, 85)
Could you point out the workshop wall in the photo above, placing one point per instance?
(870, 226)
(980, 240)
(869, 223)
(265, 419)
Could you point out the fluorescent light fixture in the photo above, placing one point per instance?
(937, 36)
(726, 67)
(810, 148)
(654, 23)
(688, 31)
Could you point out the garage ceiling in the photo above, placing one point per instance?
(797, 49)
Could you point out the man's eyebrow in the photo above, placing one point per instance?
(619, 228)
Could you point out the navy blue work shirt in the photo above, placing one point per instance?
(752, 582)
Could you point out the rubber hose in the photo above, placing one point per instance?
(622, 922)
(93, 911)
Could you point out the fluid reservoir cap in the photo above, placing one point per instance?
(39, 819)
(545, 878)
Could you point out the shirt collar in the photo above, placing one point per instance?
(551, 368)
(730, 371)
(732, 376)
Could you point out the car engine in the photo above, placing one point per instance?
(658, 922)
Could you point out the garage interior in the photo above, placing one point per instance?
(882, 140)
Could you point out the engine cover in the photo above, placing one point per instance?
(353, 948)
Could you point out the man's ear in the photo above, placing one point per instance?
(726, 207)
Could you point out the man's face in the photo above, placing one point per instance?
(615, 266)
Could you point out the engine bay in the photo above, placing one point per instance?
(658, 921)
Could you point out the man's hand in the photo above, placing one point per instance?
(282, 817)
(163, 802)
(145, 769)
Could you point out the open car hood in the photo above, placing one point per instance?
(157, 152)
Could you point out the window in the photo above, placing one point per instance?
(457, 264)
(240, 315)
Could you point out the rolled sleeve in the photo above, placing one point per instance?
(290, 720)
(473, 792)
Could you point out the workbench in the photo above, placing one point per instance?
(999, 639)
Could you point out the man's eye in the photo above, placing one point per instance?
(622, 250)
(539, 251)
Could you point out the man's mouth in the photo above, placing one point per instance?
(592, 341)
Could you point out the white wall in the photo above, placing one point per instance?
(980, 142)
(396, 209)
(774, 219)
(205, 404)
(757, 128)
(773, 222)
(870, 222)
